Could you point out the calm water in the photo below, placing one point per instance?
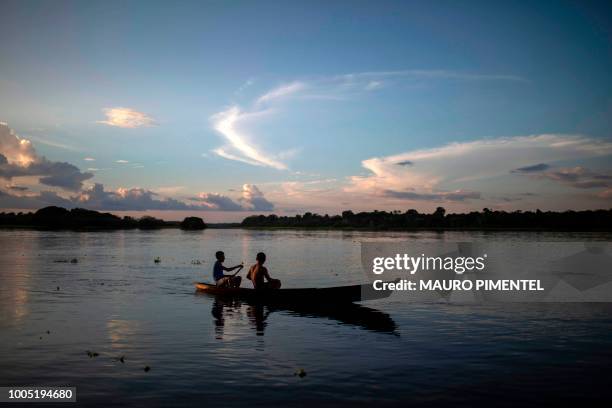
(117, 302)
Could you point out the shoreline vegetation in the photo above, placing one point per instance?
(80, 219)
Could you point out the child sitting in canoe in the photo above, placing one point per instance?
(222, 280)
(258, 272)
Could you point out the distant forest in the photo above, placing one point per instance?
(598, 220)
(78, 218)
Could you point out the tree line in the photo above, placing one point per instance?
(597, 220)
(79, 218)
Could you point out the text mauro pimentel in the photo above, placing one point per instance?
(457, 264)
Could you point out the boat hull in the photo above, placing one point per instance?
(338, 294)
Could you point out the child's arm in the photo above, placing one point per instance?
(266, 274)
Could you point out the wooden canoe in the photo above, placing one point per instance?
(337, 294)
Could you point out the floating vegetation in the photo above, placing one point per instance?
(73, 260)
(92, 354)
(157, 260)
(196, 262)
(300, 373)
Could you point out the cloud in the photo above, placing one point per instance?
(338, 87)
(430, 74)
(458, 195)
(90, 159)
(126, 199)
(33, 201)
(226, 123)
(126, 118)
(577, 177)
(282, 91)
(532, 169)
(214, 201)
(54, 143)
(122, 161)
(455, 164)
(16, 188)
(18, 158)
(135, 199)
(405, 163)
(252, 199)
(373, 85)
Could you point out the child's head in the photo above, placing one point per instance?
(220, 256)
(261, 258)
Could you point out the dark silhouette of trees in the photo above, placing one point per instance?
(193, 223)
(598, 220)
(78, 218)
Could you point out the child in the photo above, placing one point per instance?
(258, 272)
(225, 280)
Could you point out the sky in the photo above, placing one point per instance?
(225, 109)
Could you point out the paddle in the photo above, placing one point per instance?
(238, 271)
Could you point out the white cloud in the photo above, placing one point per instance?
(252, 199)
(337, 88)
(226, 123)
(18, 158)
(126, 118)
(430, 74)
(122, 161)
(373, 85)
(282, 91)
(458, 163)
(89, 159)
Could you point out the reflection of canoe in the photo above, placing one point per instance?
(350, 314)
(338, 294)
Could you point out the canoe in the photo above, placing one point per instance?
(337, 294)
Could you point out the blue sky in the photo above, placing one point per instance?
(351, 87)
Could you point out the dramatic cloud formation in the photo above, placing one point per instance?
(136, 199)
(226, 123)
(419, 174)
(126, 118)
(18, 158)
(338, 87)
(124, 199)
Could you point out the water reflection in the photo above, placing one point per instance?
(351, 314)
